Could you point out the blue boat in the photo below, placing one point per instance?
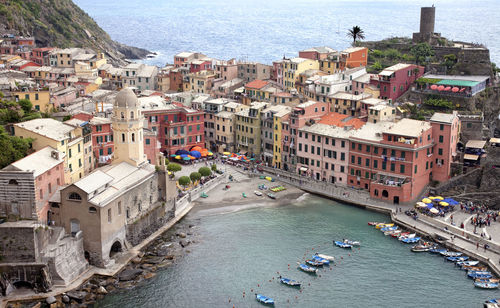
(493, 301)
(290, 282)
(451, 254)
(474, 275)
(468, 263)
(437, 250)
(410, 240)
(342, 244)
(384, 229)
(264, 299)
(319, 259)
(308, 269)
(486, 285)
(455, 259)
(314, 263)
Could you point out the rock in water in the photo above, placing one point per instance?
(50, 300)
(65, 299)
(129, 274)
(102, 290)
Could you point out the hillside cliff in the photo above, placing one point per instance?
(61, 23)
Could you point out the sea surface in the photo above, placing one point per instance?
(243, 250)
(266, 30)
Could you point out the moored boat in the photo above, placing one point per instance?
(468, 263)
(385, 229)
(491, 280)
(320, 259)
(307, 269)
(353, 243)
(342, 244)
(383, 225)
(437, 250)
(422, 247)
(486, 285)
(474, 268)
(373, 223)
(326, 257)
(410, 240)
(451, 254)
(455, 259)
(289, 282)
(406, 235)
(476, 275)
(264, 299)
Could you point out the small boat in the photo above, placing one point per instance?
(394, 233)
(437, 250)
(272, 196)
(290, 282)
(455, 259)
(353, 243)
(320, 259)
(342, 244)
(486, 285)
(244, 195)
(373, 223)
(383, 225)
(451, 254)
(307, 269)
(314, 263)
(492, 280)
(474, 268)
(264, 299)
(258, 193)
(468, 263)
(407, 236)
(479, 272)
(384, 229)
(421, 248)
(411, 240)
(476, 275)
(326, 257)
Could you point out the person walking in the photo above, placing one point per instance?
(477, 245)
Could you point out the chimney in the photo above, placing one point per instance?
(54, 154)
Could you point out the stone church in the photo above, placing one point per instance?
(117, 206)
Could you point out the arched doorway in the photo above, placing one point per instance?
(22, 284)
(86, 254)
(396, 199)
(115, 248)
(75, 226)
(385, 193)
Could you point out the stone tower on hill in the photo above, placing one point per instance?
(128, 123)
(427, 21)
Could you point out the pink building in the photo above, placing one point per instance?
(27, 184)
(226, 70)
(102, 137)
(62, 97)
(316, 53)
(445, 130)
(394, 81)
(41, 56)
(151, 146)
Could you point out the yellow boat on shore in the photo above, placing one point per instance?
(383, 225)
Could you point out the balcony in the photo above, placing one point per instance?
(391, 180)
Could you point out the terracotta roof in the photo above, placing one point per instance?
(341, 120)
(283, 94)
(256, 84)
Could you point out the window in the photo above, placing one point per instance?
(441, 126)
(441, 139)
(416, 169)
(353, 146)
(123, 137)
(359, 161)
(403, 154)
(119, 207)
(368, 149)
(109, 151)
(147, 141)
(69, 153)
(342, 144)
(393, 167)
(92, 209)
(367, 162)
(375, 164)
(384, 165)
(353, 159)
(426, 165)
(133, 137)
(109, 215)
(74, 196)
(440, 151)
(13, 182)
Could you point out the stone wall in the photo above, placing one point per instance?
(17, 194)
(18, 244)
(36, 274)
(470, 178)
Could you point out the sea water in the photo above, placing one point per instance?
(241, 251)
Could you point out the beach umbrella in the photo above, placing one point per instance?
(434, 210)
(431, 197)
(196, 148)
(178, 157)
(227, 153)
(173, 155)
(434, 87)
(438, 198)
(426, 200)
(455, 89)
(444, 203)
(421, 204)
(191, 157)
(180, 152)
(184, 155)
(447, 89)
(210, 154)
(440, 88)
(196, 154)
(186, 158)
(429, 206)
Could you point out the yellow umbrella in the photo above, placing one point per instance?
(178, 157)
(442, 203)
(210, 154)
(426, 200)
(226, 153)
(432, 197)
(438, 198)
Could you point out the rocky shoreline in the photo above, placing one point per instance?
(161, 253)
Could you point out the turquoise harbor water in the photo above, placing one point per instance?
(237, 251)
(265, 30)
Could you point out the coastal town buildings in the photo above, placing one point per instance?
(200, 81)
(225, 126)
(316, 53)
(140, 76)
(248, 129)
(394, 81)
(340, 60)
(249, 71)
(292, 68)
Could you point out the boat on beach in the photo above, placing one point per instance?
(307, 269)
(326, 257)
(290, 282)
(486, 285)
(258, 193)
(264, 299)
(272, 196)
(341, 244)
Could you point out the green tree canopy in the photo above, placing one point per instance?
(12, 148)
(205, 171)
(356, 33)
(26, 105)
(195, 176)
(184, 181)
(422, 52)
(214, 167)
(173, 167)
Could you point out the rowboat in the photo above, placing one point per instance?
(474, 275)
(410, 240)
(264, 299)
(272, 196)
(383, 225)
(468, 263)
(307, 269)
(314, 263)
(455, 259)
(258, 193)
(394, 233)
(385, 229)
(373, 223)
(326, 257)
(353, 243)
(290, 282)
(492, 280)
(437, 250)
(342, 244)
(405, 236)
(320, 259)
(451, 254)
(486, 285)
(474, 268)
(422, 247)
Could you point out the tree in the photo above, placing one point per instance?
(167, 161)
(449, 60)
(422, 52)
(184, 181)
(26, 105)
(205, 171)
(214, 167)
(13, 148)
(376, 66)
(195, 176)
(356, 33)
(173, 167)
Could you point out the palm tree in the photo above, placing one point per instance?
(356, 33)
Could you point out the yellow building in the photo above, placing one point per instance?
(225, 126)
(278, 119)
(247, 125)
(347, 103)
(292, 68)
(39, 99)
(200, 82)
(62, 137)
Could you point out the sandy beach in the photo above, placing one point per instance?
(230, 200)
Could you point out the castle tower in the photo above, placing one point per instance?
(427, 22)
(128, 124)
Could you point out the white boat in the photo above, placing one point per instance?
(326, 257)
(258, 193)
(402, 237)
(352, 243)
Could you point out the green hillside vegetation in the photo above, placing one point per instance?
(61, 23)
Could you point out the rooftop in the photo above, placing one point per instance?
(353, 49)
(341, 120)
(408, 128)
(99, 121)
(475, 144)
(224, 114)
(443, 117)
(328, 130)
(372, 131)
(39, 162)
(307, 104)
(373, 101)
(184, 54)
(47, 127)
(391, 69)
(256, 84)
(322, 49)
(350, 96)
